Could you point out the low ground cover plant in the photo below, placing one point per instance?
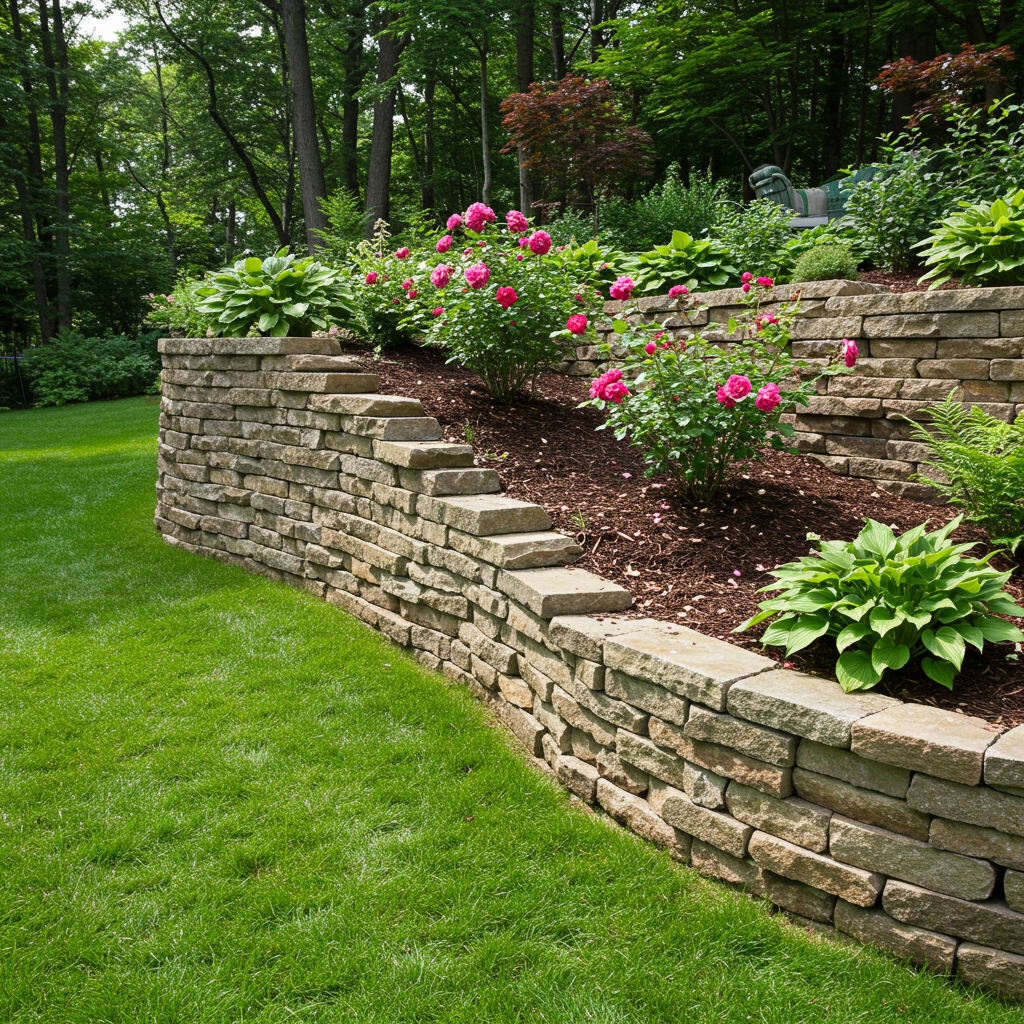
(980, 464)
(826, 262)
(693, 406)
(76, 369)
(890, 602)
(278, 296)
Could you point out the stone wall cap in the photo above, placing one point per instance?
(1004, 760)
(922, 738)
(249, 346)
(584, 635)
(808, 706)
(561, 591)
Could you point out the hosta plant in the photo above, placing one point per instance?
(982, 244)
(697, 263)
(890, 602)
(279, 296)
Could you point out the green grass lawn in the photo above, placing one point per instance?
(224, 800)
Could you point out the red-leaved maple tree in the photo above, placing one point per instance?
(950, 80)
(571, 133)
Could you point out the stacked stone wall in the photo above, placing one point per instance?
(915, 349)
(899, 825)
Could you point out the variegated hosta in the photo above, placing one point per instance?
(890, 602)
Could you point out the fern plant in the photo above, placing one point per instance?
(982, 459)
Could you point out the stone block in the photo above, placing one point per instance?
(954, 369)
(992, 969)
(879, 469)
(858, 447)
(443, 482)
(423, 454)
(991, 923)
(980, 348)
(929, 390)
(976, 841)
(647, 696)
(901, 348)
(798, 897)
(636, 814)
(792, 819)
(1011, 323)
(642, 753)
(907, 451)
(836, 464)
(976, 805)
(582, 719)
(616, 712)
(589, 673)
(1007, 369)
(1004, 760)
(484, 515)
(933, 325)
(688, 663)
(392, 428)
(557, 727)
(584, 635)
(849, 425)
(918, 945)
(805, 705)
(621, 774)
(791, 861)
(827, 328)
(910, 860)
(1013, 890)
(517, 550)
(854, 386)
(496, 655)
(549, 592)
(541, 684)
(826, 405)
(926, 739)
(852, 768)
(711, 862)
(366, 404)
(863, 804)
(704, 787)
(720, 830)
(578, 776)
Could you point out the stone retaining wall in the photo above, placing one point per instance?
(900, 825)
(914, 349)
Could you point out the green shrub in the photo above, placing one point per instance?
(982, 244)
(890, 602)
(593, 264)
(892, 214)
(696, 263)
(76, 369)
(982, 459)
(178, 313)
(754, 237)
(279, 296)
(826, 262)
(348, 222)
(571, 226)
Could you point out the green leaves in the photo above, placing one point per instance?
(891, 602)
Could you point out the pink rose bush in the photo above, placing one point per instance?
(477, 216)
(678, 289)
(516, 221)
(576, 324)
(454, 221)
(444, 244)
(622, 288)
(477, 275)
(371, 277)
(694, 407)
(402, 253)
(506, 297)
(540, 243)
(441, 275)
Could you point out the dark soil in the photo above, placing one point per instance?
(700, 567)
(903, 280)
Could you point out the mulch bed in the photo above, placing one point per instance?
(903, 280)
(699, 567)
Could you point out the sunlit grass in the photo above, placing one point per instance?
(223, 800)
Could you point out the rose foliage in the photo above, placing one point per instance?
(694, 407)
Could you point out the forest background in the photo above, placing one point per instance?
(209, 128)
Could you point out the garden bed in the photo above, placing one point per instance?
(681, 562)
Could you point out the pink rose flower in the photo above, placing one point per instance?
(678, 289)
(765, 282)
(764, 321)
(440, 275)
(540, 242)
(371, 277)
(768, 397)
(523, 242)
(519, 255)
(650, 348)
(723, 396)
(402, 253)
(577, 324)
(413, 293)
(848, 350)
(745, 287)
(407, 284)
(622, 287)
(516, 221)
(477, 216)
(395, 301)
(597, 387)
(737, 386)
(747, 277)
(444, 243)
(506, 297)
(454, 221)
(616, 392)
(477, 275)
(439, 310)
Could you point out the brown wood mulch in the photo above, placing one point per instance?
(903, 280)
(700, 567)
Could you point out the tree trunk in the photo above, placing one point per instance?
(312, 186)
(382, 139)
(55, 59)
(485, 128)
(558, 42)
(427, 188)
(524, 79)
(229, 231)
(354, 74)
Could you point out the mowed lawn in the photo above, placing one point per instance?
(224, 800)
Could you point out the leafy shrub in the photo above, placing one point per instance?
(668, 207)
(592, 264)
(697, 263)
(889, 602)
(178, 313)
(894, 213)
(982, 459)
(826, 262)
(348, 222)
(982, 244)
(800, 243)
(278, 296)
(570, 226)
(693, 407)
(76, 369)
(754, 236)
